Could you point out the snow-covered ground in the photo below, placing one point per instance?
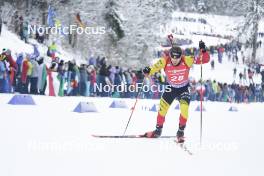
(50, 139)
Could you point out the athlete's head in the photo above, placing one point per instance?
(175, 54)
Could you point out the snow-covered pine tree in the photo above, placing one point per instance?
(114, 21)
(254, 13)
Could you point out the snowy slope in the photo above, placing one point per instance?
(11, 41)
(50, 139)
(215, 24)
(223, 72)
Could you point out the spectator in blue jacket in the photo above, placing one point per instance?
(3, 73)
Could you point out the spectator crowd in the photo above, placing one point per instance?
(31, 74)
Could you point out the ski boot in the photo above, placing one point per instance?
(154, 134)
(180, 134)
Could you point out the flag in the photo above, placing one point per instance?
(51, 16)
(58, 23)
(79, 21)
(60, 27)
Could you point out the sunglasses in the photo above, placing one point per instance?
(175, 58)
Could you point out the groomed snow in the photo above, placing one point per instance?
(50, 139)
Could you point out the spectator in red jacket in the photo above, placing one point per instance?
(24, 75)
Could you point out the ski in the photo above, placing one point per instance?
(184, 147)
(129, 136)
(181, 145)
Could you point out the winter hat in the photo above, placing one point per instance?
(175, 52)
(20, 55)
(40, 60)
(91, 67)
(4, 50)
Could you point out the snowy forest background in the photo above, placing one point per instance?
(132, 26)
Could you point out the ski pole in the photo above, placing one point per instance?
(201, 100)
(170, 37)
(134, 106)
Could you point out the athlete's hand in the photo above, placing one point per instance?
(146, 70)
(202, 46)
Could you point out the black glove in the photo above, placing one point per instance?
(146, 70)
(202, 46)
